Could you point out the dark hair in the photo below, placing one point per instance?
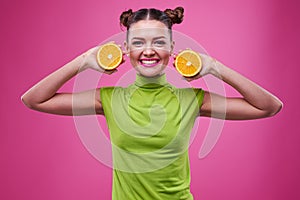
(167, 17)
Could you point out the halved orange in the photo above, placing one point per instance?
(188, 63)
(109, 56)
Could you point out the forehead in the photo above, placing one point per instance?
(148, 29)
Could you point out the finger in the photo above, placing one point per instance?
(110, 71)
(99, 70)
(188, 79)
(123, 60)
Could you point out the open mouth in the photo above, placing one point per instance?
(149, 62)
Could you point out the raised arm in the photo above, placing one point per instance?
(255, 102)
(44, 97)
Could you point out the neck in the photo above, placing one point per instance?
(151, 82)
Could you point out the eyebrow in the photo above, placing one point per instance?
(140, 38)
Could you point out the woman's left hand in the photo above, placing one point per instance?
(208, 67)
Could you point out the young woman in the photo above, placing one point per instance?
(150, 120)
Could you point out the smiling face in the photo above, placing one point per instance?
(149, 47)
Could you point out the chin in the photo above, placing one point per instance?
(151, 72)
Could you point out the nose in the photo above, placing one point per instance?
(148, 51)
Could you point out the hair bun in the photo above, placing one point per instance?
(175, 15)
(124, 18)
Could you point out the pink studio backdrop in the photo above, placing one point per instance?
(42, 156)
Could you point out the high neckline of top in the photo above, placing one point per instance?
(151, 82)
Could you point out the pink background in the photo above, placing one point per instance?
(42, 156)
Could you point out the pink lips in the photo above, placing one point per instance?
(149, 62)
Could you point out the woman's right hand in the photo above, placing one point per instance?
(90, 61)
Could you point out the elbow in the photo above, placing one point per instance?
(279, 108)
(27, 102)
(276, 108)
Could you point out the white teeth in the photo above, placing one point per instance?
(149, 62)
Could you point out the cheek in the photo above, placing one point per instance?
(134, 55)
(165, 55)
(163, 51)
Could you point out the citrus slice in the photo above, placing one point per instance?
(188, 63)
(109, 56)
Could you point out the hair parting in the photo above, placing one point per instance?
(169, 17)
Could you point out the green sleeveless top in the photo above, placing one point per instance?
(150, 123)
